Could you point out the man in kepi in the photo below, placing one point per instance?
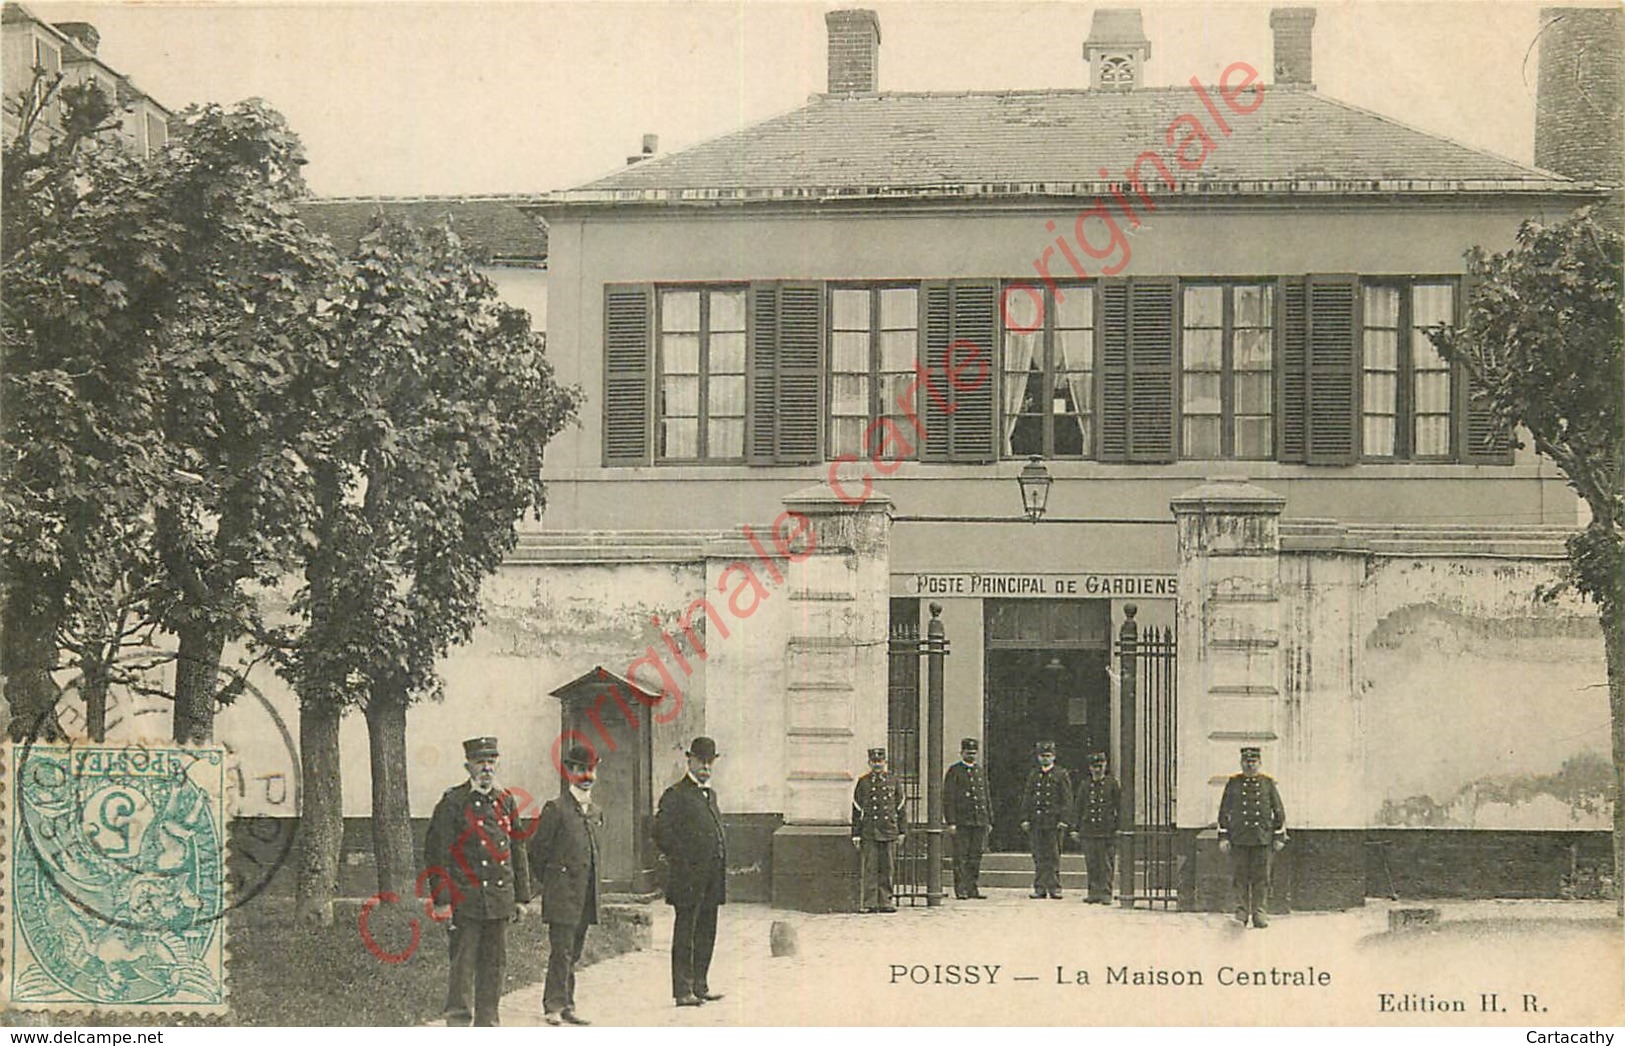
(1096, 821)
(688, 832)
(1046, 803)
(564, 856)
(1252, 827)
(878, 821)
(471, 834)
(968, 812)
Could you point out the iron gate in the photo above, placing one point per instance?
(906, 651)
(1148, 861)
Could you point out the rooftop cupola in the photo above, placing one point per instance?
(1117, 49)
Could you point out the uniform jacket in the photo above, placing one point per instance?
(1251, 812)
(1047, 799)
(964, 796)
(688, 831)
(1098, 805)
(877, 807)
(564, 858)
(472, 837)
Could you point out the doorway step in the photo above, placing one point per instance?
(1015, 871)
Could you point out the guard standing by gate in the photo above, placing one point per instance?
(1098, 800)
(1252, 827)
(1046, 803)
(968, 812)
(878, 821)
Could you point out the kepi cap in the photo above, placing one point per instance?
(876, 753)
(1097, 758)
(970, 744)
(703, 748)
(1252, 752)
(1046, 748)
(480, 748)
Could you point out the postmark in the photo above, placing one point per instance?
(115, 855)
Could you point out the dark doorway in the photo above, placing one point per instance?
(1045, 680)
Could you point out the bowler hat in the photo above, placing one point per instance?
(1046, 748)
(703, 748)
(876, 753)
(581, 755)
(969, 744)
(480, 748)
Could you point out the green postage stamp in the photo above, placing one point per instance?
(116, 878)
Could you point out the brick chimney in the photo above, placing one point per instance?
(1294, 29)
(651, 145)
(854, 51)
(82, 33)
(1579, 122)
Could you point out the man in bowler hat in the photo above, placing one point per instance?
(878, 821)
(1046, 803)
(968, 812)
(471, 842)
(688, 832)
(564, 856)
(1099, 799)
(1252, 828)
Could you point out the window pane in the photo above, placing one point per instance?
(1424, 355)
(1028, 436)
(850, 353)
(1076, 309)
(1433, 392)
(726, 438)
(1201, 394)
(1018, 394)
(894, 394)
(851, 310)
(727, 353)
(1433, 436)
(680, 397)
(1381, 350)
(1253, 438)
(898, 350)
(1199, 437)
(680, 354)
(1381, 306)
(1075, 350)
(727, 397)
(1074, 436)
(899, 309)
(1204, 306)
(850, 395)
(1379, 393)
(679, 310)
(1378, 437)
(1253, 350)
(1023, 310)
(1253, 393)
(1255, 306)
(1433, 303)
(1204, 349)
(727, 311)
(847, 435)
(679, 438)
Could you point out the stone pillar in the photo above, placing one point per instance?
(835, 659)
(1229, 667)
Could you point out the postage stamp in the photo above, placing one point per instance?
(115, 862)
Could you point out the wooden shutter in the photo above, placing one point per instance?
(1485, 439)
(976, 332)
(1112, 339)
(938, 307)
(786, 373)
(1152, 328)
(628, 343)
(1333, 370)
(1292, 368)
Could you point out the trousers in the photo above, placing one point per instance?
(875, 873)
(969, 841)
(1250, 876)
(479, 963)
(693, 939)
(1046, 840)
(565, 941)
(1100, 858)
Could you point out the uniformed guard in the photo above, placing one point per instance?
(1099, 799)
(878, 821)
(471, 842)
(1252, 827)
(1046, 803)
(968, 812)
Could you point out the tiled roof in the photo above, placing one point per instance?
(493, 227)
(1056, 142)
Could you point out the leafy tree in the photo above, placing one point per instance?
(1544, 344)
(448, 401)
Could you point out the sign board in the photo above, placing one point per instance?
(1036, 586)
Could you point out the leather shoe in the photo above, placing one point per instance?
(708, 996)
(689, 1000)
(886, 909)
(1037, 895)
(1259, 920)
(977, 896)
(571, 1018)
(1241, 916)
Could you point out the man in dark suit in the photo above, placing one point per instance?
(1046, 803)
(1252, 827)
(1099, 798)
(688, 832)
(968, 812)
(878, 821)
(470, 844)
(564, 855)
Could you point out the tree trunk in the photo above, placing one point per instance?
(391, 808)
(321, 812)
(1613, 632)
(27, 657)
(93, 680)
(196, 669)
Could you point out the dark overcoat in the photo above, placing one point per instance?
(688, 832)
(474, 841)
(1250, 811)
(1047, 799)
(964, 796)
(564, 857)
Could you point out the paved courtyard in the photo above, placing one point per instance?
(1013, 961)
